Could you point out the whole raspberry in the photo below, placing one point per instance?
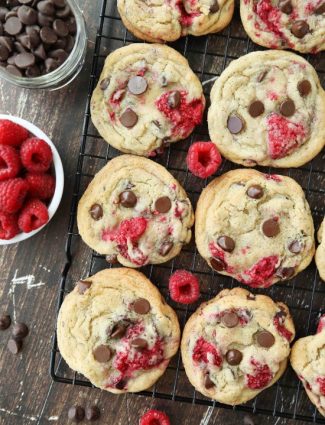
(261, 378)
(33, 215)
(12, 195)
(154, 417)
(9, 162)
(8, 226)
(36, 155)
(203, 159)
(184, 287)
(205, 352)
(40, 185)
(11, 133)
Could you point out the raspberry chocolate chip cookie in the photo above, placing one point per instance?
(116, 329)
(282, 24)
(147, 97)
(167, 20)
(268, 108)
(135, 212)
(236, 345)
(254, 227)
(320, 252)
(308, 361)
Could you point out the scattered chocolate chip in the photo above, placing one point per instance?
(300, 29)
(287, 108)
(111, 259)
(226, 243)
(96, 211)
(256, 108)
(102, 353)
(230, 319)
(5, 322)
(285, 6)
(265, 339)
(13, 26)
(174, 99)
(24, 60)
(165, 248)
(214, 6)
(295, 247)
(251, 297)
(14, 346)
(218, 264)
(48, 35)
(139, 343)
(235, 124)
(271, 228)
(163, 204)
(304, 88)
(285, 272)
(104, 83)
(128, 199)
(255, 191)
(261, 76)
(141, 306)
(234, 357)
(208, 383)
(121, 385)
(118, 330)
(137, 85)
(83, 286)
(76, 413)
(92, 413)
(20, 331)
(320, 9)
(248, 420)
(129, 118)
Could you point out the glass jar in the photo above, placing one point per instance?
(68, 71)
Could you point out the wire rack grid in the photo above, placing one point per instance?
(208, 57)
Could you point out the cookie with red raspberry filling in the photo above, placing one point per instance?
(162, 20)
(320, 252)
(236, 345)
(308, 361)
(283, 24)
(116, 329)
(255, 227)
(268, 108)
(135, 212)
(147, 97)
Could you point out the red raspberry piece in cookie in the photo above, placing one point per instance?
(203, 159)
(321, 324)
(8, 226)
(36, 155)
(184, 287)
(205, 352)
(260, 275)
(278, 322)
(321, 382)
(11, 133)
(9, 162)
(261, 378)
(154, 417)
(40, 185)
(12, 194)
(270, 16)
(33, 215)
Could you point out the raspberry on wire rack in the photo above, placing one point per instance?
(154, 417)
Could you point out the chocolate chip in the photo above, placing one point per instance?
(118, 330)
(285, 272)
(111, 259)
(234, 357)
(24, 60)
(11, 59)
(139, 343)
(287, 108)
(76, 413)
(3, 13)
(25, 1)
(4, 53)
(285, 6)
(137, 85)
(226, 243)
(61, 28)
(72, 25)
(5, 322)
(13, 26)
(12, 13)
(12, 69)
(128, 199)
(218, 264)
(92, 413)
(295, 247)
(261, 76)
(304, 88)
(121, 385)
(165, 248)
(19, 47)
(129, 118)
(20, 331)
(48, 35)
(281, 316)
(59, 54)
(174, 99)
(14, 346)
(271, 228)
(96, 211)
(235, 124)
(7, 42)
(59, 3)
(141, 306)
(44, 20)
(163, 81)
(300, 29)
(46, 7)
(64, 12)
(265, 339)
(214, 6)
(320, 9)
(104, 83)
(163, 204)
(83, 286)
(256, 108)
(33, 71)
(255, 191)
(69, 43)
(251, 297)
(102, 353)
(40, 52)
(208, 383)
(230, 319)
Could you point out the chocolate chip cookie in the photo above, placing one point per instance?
(236, 345)
(283, 24)
(116, 329)
(147, 97)
(254, 227)
(268, 108)
(308, 361)
(159, 21)
(320, 252)
(135, 212)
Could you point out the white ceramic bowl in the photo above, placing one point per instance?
(59, 176)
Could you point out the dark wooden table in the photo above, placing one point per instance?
(29, 280)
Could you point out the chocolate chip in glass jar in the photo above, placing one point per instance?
(230, 319)
(141, 306)
(256, 108)
(255, 191)
(304, 88)
(128, 199)
(287, 108)
(234, 357)
(48, 35)
(226, 243)
(271, 228)
(39, 52)
(300, 28)
(4, 53)
(33, 71)
(27, 15)
(20, 331)
(46, 7)
(13, 26)
(24, 60)
(76, 413)
(235, 124)
(64, 12)
(44, 20)
(174, 99)
(3, 12)
(59, 3)
(96, 212)
(137, 85)
(5, 322)
(59, 55)
(265, 339)
(218, 264)
(83, 286)
(129, 118)
(7, 42)
(163, 204)
(12, 69)
(72, 25)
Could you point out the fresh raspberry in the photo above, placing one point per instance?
(154, 417)
(33, 215)
(36, 155)
(184, 287)
(8, 226)
(40, 185)
(203, 159)
(205, 352)
(12, 195)
(261, 378)
(321, 382)
(321, 324)
(11, 133)
(9, 162)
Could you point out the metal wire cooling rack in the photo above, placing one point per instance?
(305, 295)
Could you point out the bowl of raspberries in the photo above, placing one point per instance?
(31, 179)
